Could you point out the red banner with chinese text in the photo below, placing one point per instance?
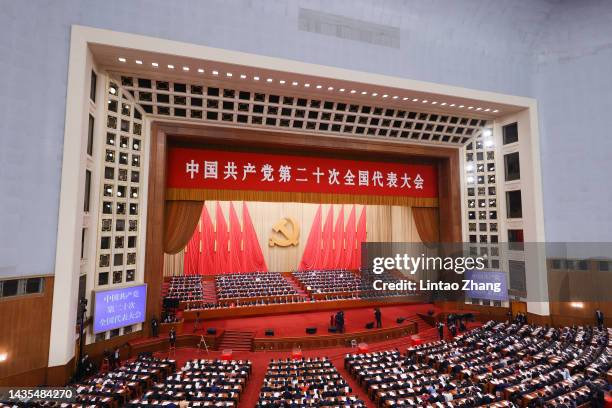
(226, 170)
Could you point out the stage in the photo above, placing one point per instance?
(294, 325)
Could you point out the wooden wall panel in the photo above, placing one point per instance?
(384, 223)
(25, 327)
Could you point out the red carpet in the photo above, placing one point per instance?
(294, 325)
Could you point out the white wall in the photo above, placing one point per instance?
(573, 85)
(473, 43)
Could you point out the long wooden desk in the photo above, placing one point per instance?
(276, 309)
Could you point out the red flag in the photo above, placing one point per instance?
(235, 251)
(222, 240)
(312, 251)
(207, 258)
(252, 256)
(350, 237)
(361, 237)
(327, 252)
(338, 246)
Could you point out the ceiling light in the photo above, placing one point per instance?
(242, 76)
(353, 91)
(395, 96)
(139, 62)
(170, 66)
(496, 110)
(488, 143)
(256, 78)
(404, 98)
(330, 88)
(269, 80)
(374, 94)
(478, 109)
(487, 110)
(577, 305)
(452, 104)
(3, 357)
(306, 85)
(469, 167)
(424, 101)
(215, 72)
(415, 100)
(470, 107)
(319, 87)
(385, 95)
(443, 104)
(461, 106)
(200, 70)
(121, 59)
(294, 83)
(470, 179)
(282, 82)
(434, 103)
(364, 93)
(341, 89)
(229, 74)
(155, 64)
(185, 68)
(487, 133)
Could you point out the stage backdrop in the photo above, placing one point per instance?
(384, 223)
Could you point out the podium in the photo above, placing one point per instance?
(226, 354)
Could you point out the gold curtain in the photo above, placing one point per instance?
(181, 219)
(427, 222)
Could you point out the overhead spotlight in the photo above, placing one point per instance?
(470, 107)
(139, 62)
(341, 89)
(256, 78)
(496, 110)
(404, 98)
(200, 70)
(424, 101)
(487, 110)
(385, 96)
(282, 82)
(461, 106)
(395, 96)
(577, 305)
(443, 104)
(319, 86)
(269, 80)
(487, 133)
(155, 64)
(294, 83)
(330, 88)
(488, 143)
(478, 109)
(434, 103)
(229, 74)
(215, 72)
(170, 66)
(415, 100)
(306, 85)
(353, 91)
(121, 59)
(364, 93)
(452, 105)
(374, 94)
(3, 357)
(185, 68)
(242, 76)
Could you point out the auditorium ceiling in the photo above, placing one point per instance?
(222, 93)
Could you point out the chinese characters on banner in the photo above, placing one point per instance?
(119, 307)
(225, 170)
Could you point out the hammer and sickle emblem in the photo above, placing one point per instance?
(291, 234)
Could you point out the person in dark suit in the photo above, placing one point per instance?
(599, 318)
(116, 358)
(441, 330)
(154, 327)
(172, 338)
(378, 318)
